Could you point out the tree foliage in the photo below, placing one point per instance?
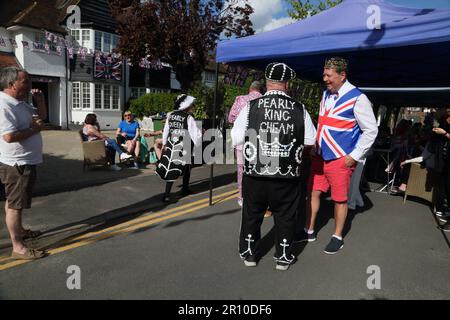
(152, 103)
(179, 32)
(302, 9)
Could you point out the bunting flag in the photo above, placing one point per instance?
(13, 43)
(70, 52)
(83, 53)
(56, 44)
(236, 75)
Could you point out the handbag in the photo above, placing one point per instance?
(152, 157)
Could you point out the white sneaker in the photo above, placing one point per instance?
(115, 167)
(125, 156)
(240, 202)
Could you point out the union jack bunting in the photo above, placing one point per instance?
(337, 129)
(13, 43)
(108, 68)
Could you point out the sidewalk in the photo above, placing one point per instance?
(62, 169)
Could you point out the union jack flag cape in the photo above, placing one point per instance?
(337, 129)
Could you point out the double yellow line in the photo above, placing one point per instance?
(126, 227)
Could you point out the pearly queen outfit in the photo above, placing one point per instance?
(180, 134)
(273, 130)
(173, 162)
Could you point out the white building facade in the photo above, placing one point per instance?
(47, 68)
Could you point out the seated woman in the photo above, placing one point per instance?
(158, 145)
(128, 136)
(91, 131)
(400, 144)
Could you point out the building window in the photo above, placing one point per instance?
(136, 92)
(115, 97)
(210, 76)
(86, 38)
(115, 41)
(76, 95)
(107, 97)
(40, 42)
(98, 96)
(98, 40)
(106, 42)
(86, 93)
(76, 35)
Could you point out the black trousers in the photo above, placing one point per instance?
(186, 178)
(281, 196)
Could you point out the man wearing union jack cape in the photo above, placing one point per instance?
(346, 130)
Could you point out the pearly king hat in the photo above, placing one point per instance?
(183, 102)
(277, 71)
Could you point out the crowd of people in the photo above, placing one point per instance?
(425, 143)
(273, 157)
(273, 137)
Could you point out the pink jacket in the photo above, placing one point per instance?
(240, 103)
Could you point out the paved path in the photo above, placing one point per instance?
(188, 250)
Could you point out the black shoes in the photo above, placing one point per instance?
(334, 246)
(445, 227)
(283, 264)
(250, 261)
(166, 198)
(305, 237)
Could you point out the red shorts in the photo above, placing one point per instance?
(334, 174)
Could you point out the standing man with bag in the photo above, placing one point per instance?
(274, 130)
(346, 130)
(20, 152)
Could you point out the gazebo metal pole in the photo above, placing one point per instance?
(211, 178)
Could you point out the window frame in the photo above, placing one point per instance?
(76, 106)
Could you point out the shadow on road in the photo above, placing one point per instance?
(67, 234)
(57, 174)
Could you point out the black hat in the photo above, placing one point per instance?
(277, 71)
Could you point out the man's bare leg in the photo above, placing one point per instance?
(14, 224)
(312, 209)
(340, 215)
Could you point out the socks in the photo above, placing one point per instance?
(308, 231)
(340, 238)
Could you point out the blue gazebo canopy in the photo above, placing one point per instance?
(412, 48)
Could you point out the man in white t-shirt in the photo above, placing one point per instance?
(20, 152)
